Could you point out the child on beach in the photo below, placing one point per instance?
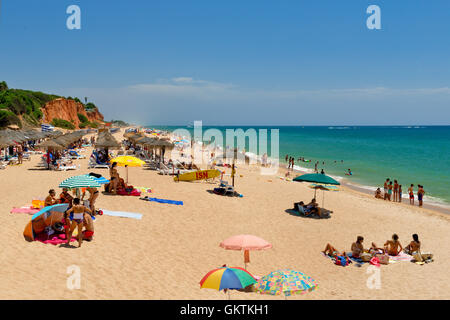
(411, 194)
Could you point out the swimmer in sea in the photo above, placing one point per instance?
(349, 172)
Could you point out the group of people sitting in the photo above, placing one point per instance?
(311, 209)
(392, 247)
(77, 215)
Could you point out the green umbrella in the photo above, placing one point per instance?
(317, 178)
(82, 181)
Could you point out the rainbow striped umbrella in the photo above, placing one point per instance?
(286, 281)
(227, 278)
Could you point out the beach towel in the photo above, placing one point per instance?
(359, 260)
(401, 257)
(53, 239)
(164, 201)
(122, 214)
(144, 189)
(27, 210)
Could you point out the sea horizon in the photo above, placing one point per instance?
(404, 154)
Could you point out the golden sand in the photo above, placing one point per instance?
(166, 254)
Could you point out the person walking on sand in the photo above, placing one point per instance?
(315, 167)
(386, 183)
(400, 193)
(78, 211)
(411, 194)
(420, 193)
(395, 191)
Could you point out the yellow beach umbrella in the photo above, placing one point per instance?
(128, 161)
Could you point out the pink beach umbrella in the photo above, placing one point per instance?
(245, 242)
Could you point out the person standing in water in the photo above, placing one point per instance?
(420, 193)
(395, 190)
(386, 183)
(411, 194)
(390, 187)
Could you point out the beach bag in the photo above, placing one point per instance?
(383, 258)
(341, 261)
(366, 257)
(375, 261)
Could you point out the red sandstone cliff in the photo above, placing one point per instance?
(68, 110)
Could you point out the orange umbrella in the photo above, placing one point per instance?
(245, 242)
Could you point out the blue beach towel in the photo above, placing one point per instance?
(164, 201)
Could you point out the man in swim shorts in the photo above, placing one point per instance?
(420, 193)
(386, 188)
(411, 194)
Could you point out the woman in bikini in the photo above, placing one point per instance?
(93, 195)
(78, 211)
(114, 178)
(393, 247)
(413, 246)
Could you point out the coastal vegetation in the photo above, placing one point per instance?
(24, 107)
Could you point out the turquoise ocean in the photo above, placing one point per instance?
(409, 154)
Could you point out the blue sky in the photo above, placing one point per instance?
(236, 62)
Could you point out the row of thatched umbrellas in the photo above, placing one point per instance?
(147, 141)
(11, 137)
(60, 141)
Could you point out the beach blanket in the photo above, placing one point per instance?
(53, 239)
(122, 214)
(25, 209)
(401, 257)
(355, 259)
(164, 201)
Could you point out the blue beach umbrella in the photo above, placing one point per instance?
(57, 208)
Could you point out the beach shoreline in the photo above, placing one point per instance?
(166, 253)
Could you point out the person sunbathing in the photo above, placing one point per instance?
(78, 211)
(374, 250)
(50, 199)
(378, 194)
(88, 233)
(357, 247)
(65, 197)
(413, 246)
(332, 252)
(393, 247)
(313, 207)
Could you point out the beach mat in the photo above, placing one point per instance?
(401, 257)
(27, 210)
(164, 201)
(122, 214)
(53, 239)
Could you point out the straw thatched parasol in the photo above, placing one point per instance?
(51, 144)
(106, 140)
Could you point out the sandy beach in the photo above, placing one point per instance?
(166, 254)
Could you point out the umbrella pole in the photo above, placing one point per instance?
(127, 174)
